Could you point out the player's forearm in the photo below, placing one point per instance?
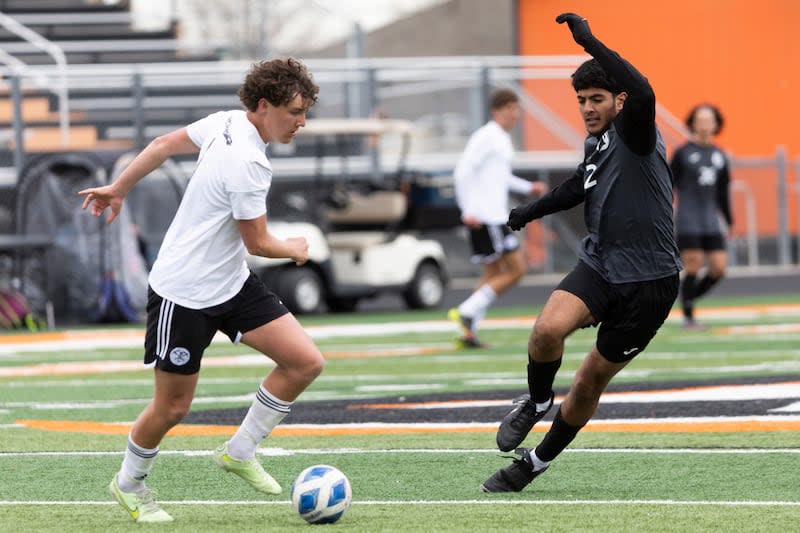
(565, 196)
(149, 159)
(270, 246)
(723, 199)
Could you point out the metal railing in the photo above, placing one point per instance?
(421, 89)
(751, 221)
(778, 163)
(54, 51)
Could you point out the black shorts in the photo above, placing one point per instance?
(629, 314)
(490, 241)
(708, 242)
(177, 336)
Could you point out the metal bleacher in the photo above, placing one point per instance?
(93, 36)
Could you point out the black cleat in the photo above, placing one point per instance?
(514, 477)
(519, 422)
(471, 342)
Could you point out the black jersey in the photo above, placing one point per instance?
(701, 178)
(625, 185)
(628, 211)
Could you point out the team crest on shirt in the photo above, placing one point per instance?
(718, 160)
(179, 356)
(602, 145)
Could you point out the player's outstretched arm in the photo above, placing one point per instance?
(565, 196)
(153, 156)
(636, 124)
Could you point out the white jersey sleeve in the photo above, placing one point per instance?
(205, 128)
(248, 190)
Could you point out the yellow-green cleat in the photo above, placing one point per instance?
(140, 505)
(249, 470)
(464, 323)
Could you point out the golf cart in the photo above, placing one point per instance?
(353, 218)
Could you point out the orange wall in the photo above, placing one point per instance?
(742, 55)
(744, 58)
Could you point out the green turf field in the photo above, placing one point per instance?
(606, 481)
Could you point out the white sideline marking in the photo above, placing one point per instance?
(132, 338)
(724, 503)
(281, 452)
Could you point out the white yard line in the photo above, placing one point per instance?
(133, 338)
(282, 452)
(488, 501)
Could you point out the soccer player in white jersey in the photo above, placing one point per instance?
(200, 283)
(483, 179)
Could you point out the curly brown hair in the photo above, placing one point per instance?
(278, 81)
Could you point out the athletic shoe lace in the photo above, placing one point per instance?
(526, 413)
(147, 500)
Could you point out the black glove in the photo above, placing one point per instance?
(519, 216)
(578, 25)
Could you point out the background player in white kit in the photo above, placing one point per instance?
(483, 180)
(200, 283)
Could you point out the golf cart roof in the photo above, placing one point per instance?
(354, 126)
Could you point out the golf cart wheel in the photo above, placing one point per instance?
(426, 289)
(300, 289)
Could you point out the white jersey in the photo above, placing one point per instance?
(483, 175)
(201, 262)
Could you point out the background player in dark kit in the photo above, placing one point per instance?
(701, 178)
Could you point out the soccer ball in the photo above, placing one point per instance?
(321, 494)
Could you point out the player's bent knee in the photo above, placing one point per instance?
(546, 334)
(315, 368)
(308, 369)
(176, 412)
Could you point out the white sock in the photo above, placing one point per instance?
(266, 412)
(538, 464)
(135, 466)
(478, 302)
(543, 406)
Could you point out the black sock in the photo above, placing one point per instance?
(704, 285)
(540, 379)
(557, 438)
(688, 294)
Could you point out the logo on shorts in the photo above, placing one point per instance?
(179, 356)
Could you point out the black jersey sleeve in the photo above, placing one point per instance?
(565, 196)
(676, 165)
(723, 195)
(636, 122)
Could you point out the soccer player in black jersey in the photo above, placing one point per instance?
(701, 179)
(626, 279)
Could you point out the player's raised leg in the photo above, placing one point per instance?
(299, 362)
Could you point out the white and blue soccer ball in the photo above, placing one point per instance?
(321, 494)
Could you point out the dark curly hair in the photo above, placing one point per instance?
(278, 81)
(591, 75)
(714, 109)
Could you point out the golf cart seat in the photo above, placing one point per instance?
(356, 241)
(377, 212)
(370, 209)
